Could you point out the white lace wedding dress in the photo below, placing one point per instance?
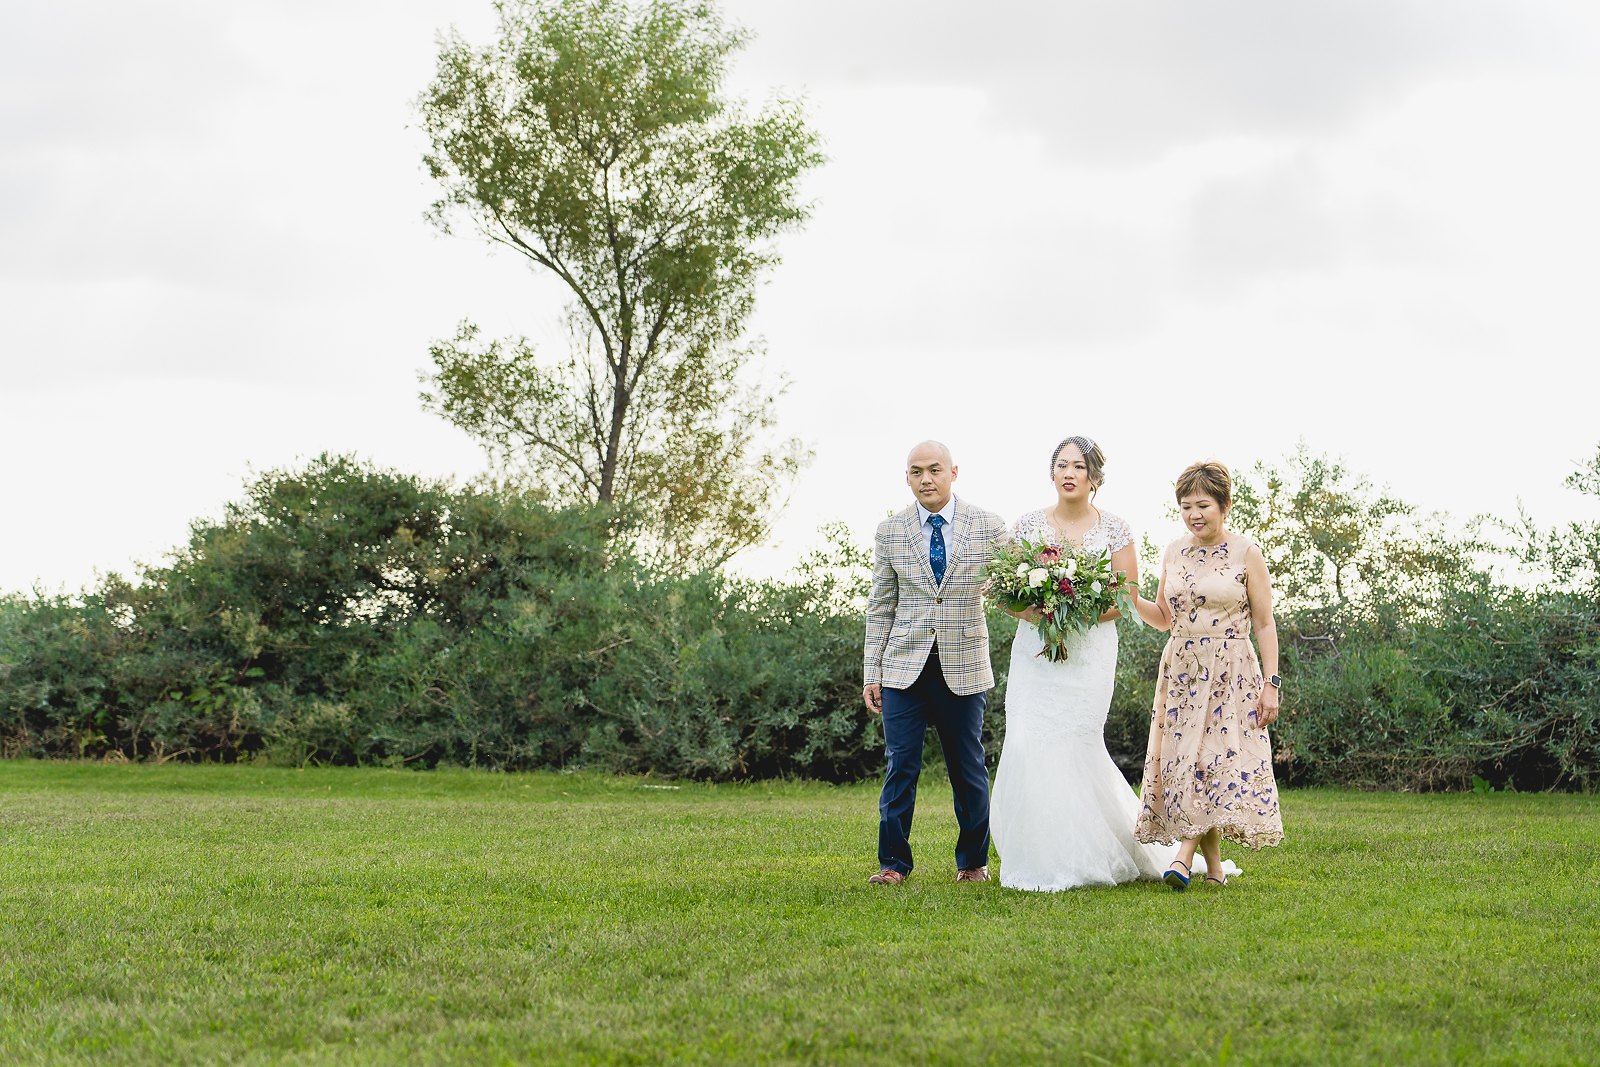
(1061, 813)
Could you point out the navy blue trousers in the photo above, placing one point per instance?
(907, 714)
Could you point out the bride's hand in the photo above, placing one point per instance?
(1030, 615)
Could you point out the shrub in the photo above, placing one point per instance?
(347, 614)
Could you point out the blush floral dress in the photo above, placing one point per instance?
(1209, 764)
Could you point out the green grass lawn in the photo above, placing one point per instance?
(234, 914)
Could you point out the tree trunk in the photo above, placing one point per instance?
(619, 411)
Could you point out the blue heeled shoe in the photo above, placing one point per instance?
(1178, 881)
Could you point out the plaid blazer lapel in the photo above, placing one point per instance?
(959, 538)
(913, 531)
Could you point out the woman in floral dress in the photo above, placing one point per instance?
(1208, 770)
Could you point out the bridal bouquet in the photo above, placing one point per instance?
(1071, 587)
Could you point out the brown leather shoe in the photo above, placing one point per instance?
(887, 876)
(976, 874)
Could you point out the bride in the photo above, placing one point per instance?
(1062, 815)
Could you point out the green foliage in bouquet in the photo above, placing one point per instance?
(1071, 588)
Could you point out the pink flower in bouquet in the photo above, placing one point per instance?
(1065, 586)
(1049, 554)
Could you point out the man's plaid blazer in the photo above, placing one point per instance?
(906, 612)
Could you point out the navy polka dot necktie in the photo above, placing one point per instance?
(936, 549)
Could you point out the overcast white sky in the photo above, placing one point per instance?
(1205, 229)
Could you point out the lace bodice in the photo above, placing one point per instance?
(1108, 534)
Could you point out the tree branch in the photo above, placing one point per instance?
(513, 240)
(624, 301)
(510, 422)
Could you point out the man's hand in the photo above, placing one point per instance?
(873, 695)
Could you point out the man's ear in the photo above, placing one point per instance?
(954, 470)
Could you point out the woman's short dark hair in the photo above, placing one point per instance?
(1206, 478)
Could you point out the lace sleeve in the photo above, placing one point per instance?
(1118, 534)
(1026, 527)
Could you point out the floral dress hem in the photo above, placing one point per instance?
(1250, 835)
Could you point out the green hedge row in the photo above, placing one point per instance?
(343, 614)
(349, 615)
(1504, 691)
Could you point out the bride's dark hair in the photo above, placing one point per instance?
(1093, 458)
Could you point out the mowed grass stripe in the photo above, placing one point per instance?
(242, 914)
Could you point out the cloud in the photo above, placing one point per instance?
(1117, 83)
(225, 192)
(1268, 222)
(118, 75)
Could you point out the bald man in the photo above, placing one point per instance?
(927, 659)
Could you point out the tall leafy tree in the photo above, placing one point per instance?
(1330, 537)
(593, 138)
